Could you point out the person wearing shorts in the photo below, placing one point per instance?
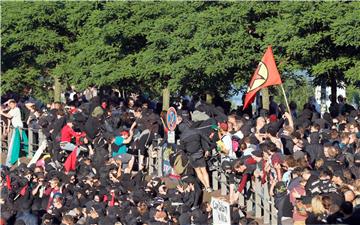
(197, 159)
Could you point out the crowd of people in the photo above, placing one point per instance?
(94, 169)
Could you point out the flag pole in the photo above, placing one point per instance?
(286, 101)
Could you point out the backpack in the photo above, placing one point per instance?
(179, 162)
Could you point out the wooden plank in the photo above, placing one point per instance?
(159, 162)
(223, 184)
(30, 142)
(9, 138)
(266, 205)
(273, 212)
(249, 202)
(214, 175)
(258, 191)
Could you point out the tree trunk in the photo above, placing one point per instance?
(209, 98)
(57, 90)
(333, 89)
(166, 98)
(265, 98)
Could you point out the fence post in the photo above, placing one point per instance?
(215, 182)
(223, 184)
(9, 138)
(42, 137)
(1, 137)
(241, 199)
(159, 162)
(266, 204)
(249, 202)
(30, 142)
(273, 212)
(151, 160)
(257, 198)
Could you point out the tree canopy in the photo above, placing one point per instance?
(189, 47)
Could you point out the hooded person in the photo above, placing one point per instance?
(194, 143)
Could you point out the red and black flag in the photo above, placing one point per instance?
(266, 74)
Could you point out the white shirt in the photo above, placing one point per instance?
(228, 145)
(239, 134)
(16, 117)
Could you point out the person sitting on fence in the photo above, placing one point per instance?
(67, 135)
(119, 149)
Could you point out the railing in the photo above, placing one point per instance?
(33, 142)
(260, 201)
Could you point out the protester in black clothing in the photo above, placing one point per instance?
(98, 190)
(148, 123)
(194, 143)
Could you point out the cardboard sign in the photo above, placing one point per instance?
(221, 211)
(171, 118)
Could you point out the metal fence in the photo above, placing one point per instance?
(260, 203)
(35, 138)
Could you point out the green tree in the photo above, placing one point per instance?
(322, 38)
(190, 48)
(33, 41)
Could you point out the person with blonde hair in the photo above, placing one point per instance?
(318, 212)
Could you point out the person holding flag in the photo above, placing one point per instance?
(18, 136)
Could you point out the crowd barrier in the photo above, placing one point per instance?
(260, 203)
(35, 138)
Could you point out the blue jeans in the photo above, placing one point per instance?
(68, 146)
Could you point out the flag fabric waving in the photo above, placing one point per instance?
(266, 74)
(70, 162)
(18, 143)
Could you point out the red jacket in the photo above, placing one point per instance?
(67, 133)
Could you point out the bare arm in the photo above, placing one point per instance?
(5, 114)
(128, 140)
(119, 163)
(290, 119)
(133, 125)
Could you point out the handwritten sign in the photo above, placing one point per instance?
(221, 211)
